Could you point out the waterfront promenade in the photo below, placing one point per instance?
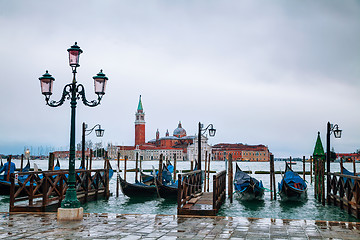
(133, 226)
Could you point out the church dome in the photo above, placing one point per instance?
(179, 131)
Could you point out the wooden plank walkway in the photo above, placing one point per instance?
(202, 206)
(191, 199)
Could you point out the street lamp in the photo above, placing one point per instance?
(202, 131)
(72, 91)
(337, 134)
(85, 132)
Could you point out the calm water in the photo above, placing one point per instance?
(309, 209)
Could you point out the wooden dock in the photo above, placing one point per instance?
(191, 199)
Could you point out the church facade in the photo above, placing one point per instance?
(178, 145)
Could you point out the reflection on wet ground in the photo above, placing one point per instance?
(132, 226)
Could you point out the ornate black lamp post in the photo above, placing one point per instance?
(202, 131)
(72, 91)
(337, 133)
(85, 132)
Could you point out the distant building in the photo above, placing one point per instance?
(348, 156)
(241, 152)
(179, 145)
(65, 154)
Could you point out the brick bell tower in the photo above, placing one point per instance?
(139, 124)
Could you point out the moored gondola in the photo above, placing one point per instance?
(137, 189)
(292, 186)
(167, 187)
(5, 185)
(247, 187)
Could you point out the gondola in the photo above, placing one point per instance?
(5, 185)
(292, 186)
(347, 172)
(137, 189)
(167, 187)
(246, 187)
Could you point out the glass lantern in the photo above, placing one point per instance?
(100, 83)
(46, 83)
(74, 55)
(99, 132)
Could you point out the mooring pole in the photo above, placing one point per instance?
(354, 166)
(208, 174)
(311, 169)
(160, 168)
(271, 176)
(304, 167)
(290, 163)
(206, 156)
(125, 165)
(22, 162)
(174, 166)
(8, 171)
(323, 183)
(191, 165)
(87, 162)
(136, 166)
(118, 175)
(91, 155)
(230, 179)
(50, 163)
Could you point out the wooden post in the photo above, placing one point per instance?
(126, 158)
(230, 179)
(191, 165)
(140, 162)
(206, 155)
(290, 163)
(304, 167)
(323, 182)
(341, 165)
(174, 167)
(208, 174)
(117, 175)
(160, 168)
(311, 169)
(136, 166)
(354, 166)
(51, 162)
(8, 170)
(87, 162)
(22, 162)
(91, 155)
(271, 176)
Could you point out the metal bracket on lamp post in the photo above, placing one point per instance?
(202, 131)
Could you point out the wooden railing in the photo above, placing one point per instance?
(189, 185)
(345, 192)
(39, 191)
(219, 189)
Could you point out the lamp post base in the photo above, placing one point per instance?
(70, 214)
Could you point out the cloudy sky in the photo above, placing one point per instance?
(263, 72)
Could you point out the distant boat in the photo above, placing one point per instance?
(246, 187)
(292, 186)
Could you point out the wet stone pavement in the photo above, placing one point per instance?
(132, 226)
